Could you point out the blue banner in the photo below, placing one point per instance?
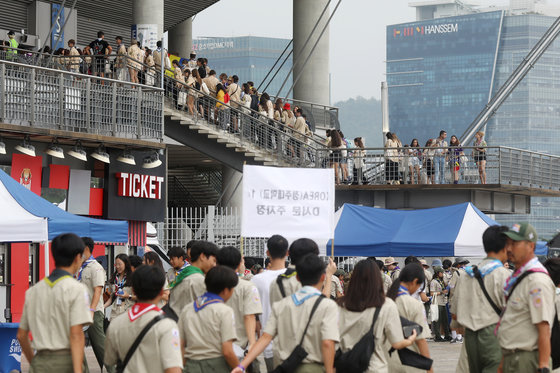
(57, 30)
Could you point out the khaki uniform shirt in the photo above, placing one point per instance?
(121, 51)
(203, 332)
(447, 275)
(291, 286)
(435, 287)
(336, 286)
(93, 275)
(287, 323)
(244, 301)
(395, 274)
(531, 302)
(470, 304)
(50, 310)
(234, 91)
(74, 61)
(301, 128)
(413, 310)
(186, 292)
(125, 303)
(160, 348)
(135, 57)
(387, 329)
(387, 282)
(211, 83)
(429, 277)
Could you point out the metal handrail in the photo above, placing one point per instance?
(177, 184)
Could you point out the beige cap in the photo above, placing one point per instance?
(423, 262)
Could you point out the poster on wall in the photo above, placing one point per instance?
(58, 31)
(27, 171)
(146, 34)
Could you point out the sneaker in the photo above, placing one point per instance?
(453, 340)
(439, 340)
(448, 339)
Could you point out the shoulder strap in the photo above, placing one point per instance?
(138, 340)
(289, 273)
(478, 276)
(375, 316)
(519, 281)
(315, 306)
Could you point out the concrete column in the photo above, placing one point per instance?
(148, 12)
(230, 179)
(180, 38)
(313, 86)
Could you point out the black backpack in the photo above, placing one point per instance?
(357, 359)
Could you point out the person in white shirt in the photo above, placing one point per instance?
(277, 250)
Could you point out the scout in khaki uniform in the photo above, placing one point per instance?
(524, 329)
(177, 260)
(290, 316)
(456, 329)
(553, 267)
(159, 350)
(58, 338)
(92, 275)
(207, 326)
(411, 279)
(393, 267)
(472, 309)
(189, 284)
(298, 250)
(245, 302)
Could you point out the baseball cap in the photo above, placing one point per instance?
(522, 232)
(436, 263)
(423, 262)
(390, 260)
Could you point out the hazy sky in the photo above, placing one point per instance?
(357, 35)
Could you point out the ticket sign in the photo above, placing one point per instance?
(292, 202)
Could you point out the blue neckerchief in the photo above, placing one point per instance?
(486, 269)
(206, 299)
(119, 284)
(532, 265)
(84, 265)
(304, 294)
(402, 291)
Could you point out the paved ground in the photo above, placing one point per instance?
(445, 357)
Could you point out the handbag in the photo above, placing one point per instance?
(182, 98)
(434, 310)
(298, 354)
(356, 360)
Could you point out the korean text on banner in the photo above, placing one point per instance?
(293, 202)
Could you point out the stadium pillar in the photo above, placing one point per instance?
(148, 12)
(313, 86)
(180, 38)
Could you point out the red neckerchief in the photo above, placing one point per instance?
(140, 309)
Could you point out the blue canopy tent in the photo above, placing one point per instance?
(58, 221)
(445, 231)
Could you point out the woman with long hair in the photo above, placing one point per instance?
(359, 169)
(414, 164)
(152, 259)
(439, 293)
(357, 308)
(411, 278)
(428, 159)
(120, 287)
(479, 155)
(454, 157)
(391, 159)
(335, 144)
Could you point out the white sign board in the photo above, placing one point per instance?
(146, 34)
(293, 202)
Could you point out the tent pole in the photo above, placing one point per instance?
(46, 252)
(332, 248)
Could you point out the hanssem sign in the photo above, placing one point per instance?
(292, 202)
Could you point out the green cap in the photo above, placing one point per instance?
(522, 232)
(438, 269)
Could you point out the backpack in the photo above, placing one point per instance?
(98, 47)
(226, 98)
(357, 359)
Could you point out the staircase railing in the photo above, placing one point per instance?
(180, 189)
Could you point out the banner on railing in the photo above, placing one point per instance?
(292, 202)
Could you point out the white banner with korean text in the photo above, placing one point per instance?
(293, 202)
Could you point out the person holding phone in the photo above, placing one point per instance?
(411, 278)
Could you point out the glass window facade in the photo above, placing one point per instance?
(439, 73)
(248, 57)
(442, 80)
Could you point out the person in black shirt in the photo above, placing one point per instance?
(99, 49)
